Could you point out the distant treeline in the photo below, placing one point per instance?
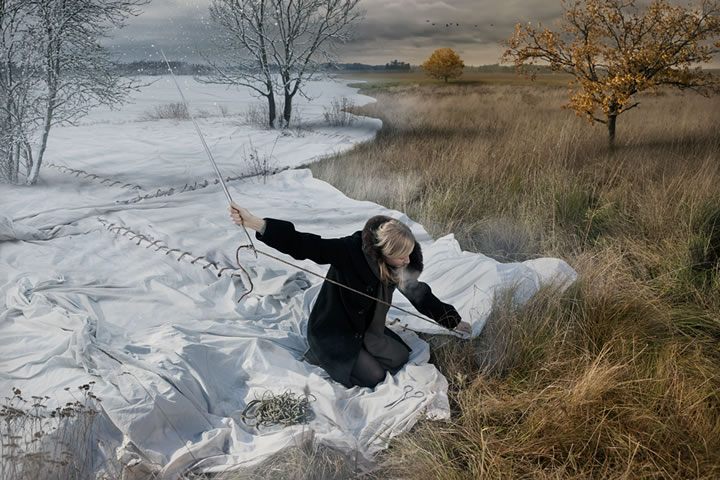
(397, 66)
(183, 68)
(160, 68)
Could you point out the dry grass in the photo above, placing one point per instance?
(309, 461)
(59, 443)
(617, 378)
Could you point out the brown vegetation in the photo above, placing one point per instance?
(444, 64)
(618, 378)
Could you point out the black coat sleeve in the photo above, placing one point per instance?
(422, 298)
(282, 236)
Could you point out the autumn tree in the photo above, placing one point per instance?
(615, 50)
(444, 64)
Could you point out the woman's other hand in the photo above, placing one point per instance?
(464, 327)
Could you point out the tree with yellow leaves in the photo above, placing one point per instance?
(444, 64)
(616, 50)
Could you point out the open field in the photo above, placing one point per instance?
(619, 378)
(382, 80)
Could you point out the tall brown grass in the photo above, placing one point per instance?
(618, 377)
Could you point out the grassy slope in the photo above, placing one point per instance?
(619, 377)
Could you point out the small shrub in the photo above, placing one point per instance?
(337, 114)
(171, 111)
(258, 163)
(572, 205)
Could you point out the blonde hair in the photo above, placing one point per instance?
(395, 240)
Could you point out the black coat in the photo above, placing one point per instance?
(339, 318)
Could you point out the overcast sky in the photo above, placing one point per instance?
(391, 29)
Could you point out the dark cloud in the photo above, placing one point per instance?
(391, 29)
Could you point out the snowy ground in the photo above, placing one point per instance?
(120, 271)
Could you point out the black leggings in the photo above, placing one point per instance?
(368, 370)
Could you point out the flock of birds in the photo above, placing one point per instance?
(451, 24)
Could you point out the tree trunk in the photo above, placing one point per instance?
(272, 109)
(34, 172)
(13, 164)
(611, 118)
(287, 110)
(51, 80)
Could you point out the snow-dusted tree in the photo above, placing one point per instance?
(246, 28)
(19, 87)
(282, 43)
(308, 31)
(68, 71)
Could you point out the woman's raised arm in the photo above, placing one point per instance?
(242, 216)
(282, 236)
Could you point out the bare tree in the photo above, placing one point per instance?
(19, 87)
(245, 31)
(67, 74)
(283, 43)
(308, 30)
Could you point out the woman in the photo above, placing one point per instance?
(346, 331)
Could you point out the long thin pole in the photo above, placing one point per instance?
(205, 146)
(197, 128)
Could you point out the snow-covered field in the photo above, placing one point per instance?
(117, 267)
